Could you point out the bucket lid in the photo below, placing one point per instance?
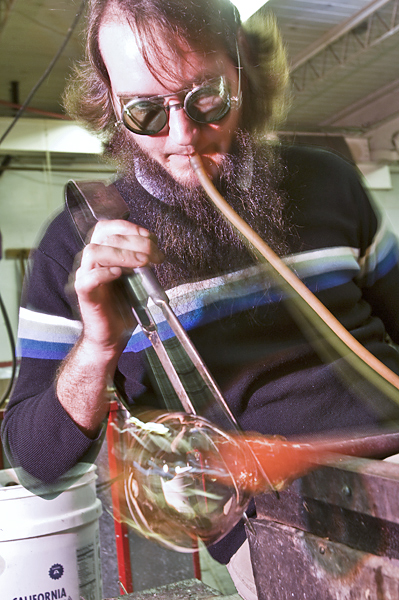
(10, 486)
(24, 514)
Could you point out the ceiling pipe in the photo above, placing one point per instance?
(38, 111)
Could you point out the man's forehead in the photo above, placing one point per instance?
(121, 49)
(153, 41)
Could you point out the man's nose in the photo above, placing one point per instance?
(182, 130)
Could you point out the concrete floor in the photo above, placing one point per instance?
(182, 590)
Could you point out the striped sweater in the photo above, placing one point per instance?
(270, 375)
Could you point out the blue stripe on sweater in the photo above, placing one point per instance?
(205, 302)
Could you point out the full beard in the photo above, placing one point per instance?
(197, 240)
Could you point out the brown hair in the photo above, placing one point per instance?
(211, 24)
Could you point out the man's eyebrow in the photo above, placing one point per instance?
(125, 96)
(129, 96)
(201, 79)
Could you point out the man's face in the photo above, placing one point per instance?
(181, 137)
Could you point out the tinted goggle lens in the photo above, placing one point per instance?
(208, 103)
(144, 116)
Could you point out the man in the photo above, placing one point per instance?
(164, 80)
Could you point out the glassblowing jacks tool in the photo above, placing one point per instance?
(89, 202)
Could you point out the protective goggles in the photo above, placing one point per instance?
(206, 103)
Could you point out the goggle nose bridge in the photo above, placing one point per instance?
(176, 106)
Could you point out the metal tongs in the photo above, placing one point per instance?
(89, 202)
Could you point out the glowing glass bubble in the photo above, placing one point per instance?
(177, 486)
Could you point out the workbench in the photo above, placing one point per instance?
(332, 535)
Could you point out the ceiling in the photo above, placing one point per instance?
(344, 57)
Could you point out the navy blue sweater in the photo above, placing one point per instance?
(271, 377)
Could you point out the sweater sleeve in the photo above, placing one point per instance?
(340, 212)
(40, 438)
(379, 278)
(378, 259)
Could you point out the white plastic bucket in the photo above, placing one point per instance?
(49, 549)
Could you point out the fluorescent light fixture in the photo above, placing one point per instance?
(247, 8)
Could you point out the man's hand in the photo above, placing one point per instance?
(116, 247)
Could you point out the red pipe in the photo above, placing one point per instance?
(37, 111)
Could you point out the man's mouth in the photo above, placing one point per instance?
(211, 163)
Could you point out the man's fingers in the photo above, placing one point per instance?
(133, 245)
(106, 229)
(116, 247)
(88, 280)
(136, 254)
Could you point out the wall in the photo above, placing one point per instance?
(388, 199)
(28, 199)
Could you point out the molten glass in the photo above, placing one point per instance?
(178, 485)
(184, 478)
